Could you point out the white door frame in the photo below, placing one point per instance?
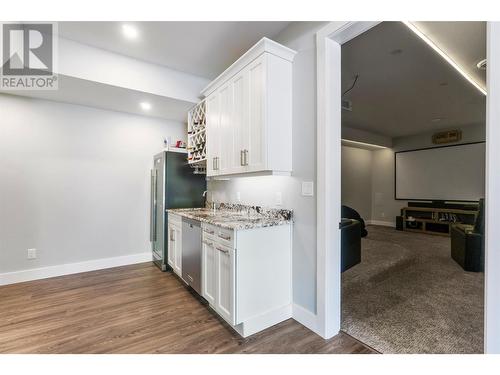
(328, 42)
(492, 196)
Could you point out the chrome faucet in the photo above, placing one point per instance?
(205, 194)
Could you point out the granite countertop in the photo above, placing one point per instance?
(237, 216)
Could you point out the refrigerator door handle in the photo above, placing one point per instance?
(152, 230)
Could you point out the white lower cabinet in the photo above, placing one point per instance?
(171, 245)
(209, 271)
(246, 275)
(174, 251)
(224, 281)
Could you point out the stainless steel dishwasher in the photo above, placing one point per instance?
(191, 253)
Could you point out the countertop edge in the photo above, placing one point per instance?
(266, 223)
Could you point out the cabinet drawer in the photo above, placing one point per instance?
(224, 236)
(208, 230)
(218, 235)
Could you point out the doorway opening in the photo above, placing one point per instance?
(408, 290)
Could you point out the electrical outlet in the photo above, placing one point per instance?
(31, 253)
(307, 188)
(278, 198)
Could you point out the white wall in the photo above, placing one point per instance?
(97, 65)
(74, 181)
(384, 207)
(262, 190)
(368, 176)
(357, 180)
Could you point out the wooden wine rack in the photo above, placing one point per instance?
(197, 137)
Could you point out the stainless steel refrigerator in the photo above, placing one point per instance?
(173, 185)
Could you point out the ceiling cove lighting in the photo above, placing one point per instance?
(145, 106)
(356, 143)
(431, 44)
(130, 31)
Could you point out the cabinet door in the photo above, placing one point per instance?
(224, 303)
(255, 152)
(240, 121)
(209, 273)
(213, 137)
(171, 246)
(226, 129)
(178, 251)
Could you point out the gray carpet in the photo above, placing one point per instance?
(408, 296)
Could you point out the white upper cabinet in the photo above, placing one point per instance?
(226, 129)
(249, 114)
(213, 124)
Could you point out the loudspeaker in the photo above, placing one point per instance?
(399, 222)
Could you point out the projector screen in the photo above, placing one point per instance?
(450, 173)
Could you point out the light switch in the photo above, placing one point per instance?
(307, 188)
(278, 198)
(31, 254)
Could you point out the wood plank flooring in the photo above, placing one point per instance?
(135, 309)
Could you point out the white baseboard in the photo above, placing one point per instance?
(266, 320)
(382, 223)
(70, 268)
(305, 317)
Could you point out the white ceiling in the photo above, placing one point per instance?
(399, 94)
(204, 49)
(93, 94)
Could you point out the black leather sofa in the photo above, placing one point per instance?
(467, 243)
(347, 212)
(350, 233)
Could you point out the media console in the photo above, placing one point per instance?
(437, 218)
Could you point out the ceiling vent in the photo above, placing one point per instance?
(481, 64)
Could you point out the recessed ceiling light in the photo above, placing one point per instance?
(145, 106)
(130, 31)
(437, 119)
(441, 53)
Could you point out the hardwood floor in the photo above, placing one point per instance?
(135, 309)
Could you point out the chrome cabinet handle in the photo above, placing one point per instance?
(208, 231)
(222, 250)
(172, 235)
(213, 164)
(208, 243)
(245, 157)
(217, 162)
(242, 153)
(227, 238)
